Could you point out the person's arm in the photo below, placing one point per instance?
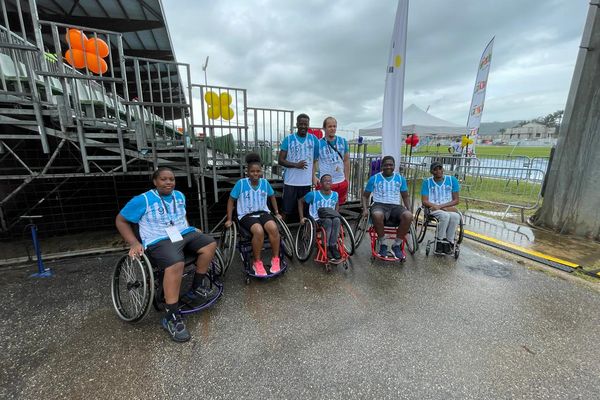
(425, 201)
(274, 206)
(365, 202)
(135, 247)
(405, 199)
(288, 164)
(230, 204)
(451, 205)
(315, 168)
(347, 166)
(301, 203)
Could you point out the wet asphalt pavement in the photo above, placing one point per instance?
(481, 327)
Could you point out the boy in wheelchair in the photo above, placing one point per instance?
(439, 194)
(323, 208)
(253, 213)
(165, 233)
(388, 187)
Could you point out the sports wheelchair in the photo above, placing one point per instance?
(312, 232)
(229, 245)
(423, 220)
(136, 285)
(365, 225)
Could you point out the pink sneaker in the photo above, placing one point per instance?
(275, 267)
(259, 268)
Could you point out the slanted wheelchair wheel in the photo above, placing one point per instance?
(349, 239)
(288, 239)
(412, 244)
(361, 227)
(461, 231)
(218, 267)
(132, 288)
(227, 245)
(305, 240)
(420, 225)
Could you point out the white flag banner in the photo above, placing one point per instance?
(476, 109)
(391, 130)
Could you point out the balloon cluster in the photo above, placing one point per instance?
(466, 141)
(84, 52)
(412, 140)
(218, 106)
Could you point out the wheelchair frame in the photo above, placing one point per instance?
(365, 225)
(426, 222)
(314, 232)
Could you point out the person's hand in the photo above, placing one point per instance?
(315, 181)
(365, 213)
(301, 164)
(278, 216)
(228, 224)
(302, 221)
(434, 208)
(136, 250)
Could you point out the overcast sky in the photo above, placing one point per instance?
(328, 57)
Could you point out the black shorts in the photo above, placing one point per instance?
(291, 195)
(261, 217)
(166, 253)
(391, 212)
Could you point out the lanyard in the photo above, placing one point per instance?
(167, 208)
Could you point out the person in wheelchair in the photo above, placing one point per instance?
(323, 208)
(253, 213)
(439, 194)
(388, 187)
(165, 232)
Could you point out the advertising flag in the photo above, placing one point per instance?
(481, 82)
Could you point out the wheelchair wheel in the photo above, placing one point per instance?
(412, 245)
(361, 227)
(461, 231)
(288, 239)
(218, 266)
(227, 245)
(305, 240)
(420, 224)
(349, 240)
(132, 288)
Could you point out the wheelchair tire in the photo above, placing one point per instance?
(362, 224)
(421, 224)
(412, 244)
(288, 239)
(461, 231)
(349, 240)
(306, 239)
(218, 267)
(132, 288)
(227, 245)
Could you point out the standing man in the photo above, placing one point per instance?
(298, 154)
(334, 159)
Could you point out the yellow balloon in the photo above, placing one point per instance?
(225, 100)
(211, 98)
(227, 113)
(214, 112)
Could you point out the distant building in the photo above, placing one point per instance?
(529, 131)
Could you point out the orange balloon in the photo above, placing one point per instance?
(76, 58)
(96, 64)
(76, 39)
(93, 45)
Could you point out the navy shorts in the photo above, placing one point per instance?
(291, 195)
(261, 217)
(391, 212)
(166, 253)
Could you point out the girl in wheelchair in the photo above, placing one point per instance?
(253, 214)
(439, 194)
(323, 208)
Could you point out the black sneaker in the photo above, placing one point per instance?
(176, 328)
(332, 253)
(448, 247)
(439, 246)
(336, 253)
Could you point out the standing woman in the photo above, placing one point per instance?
(166, 234)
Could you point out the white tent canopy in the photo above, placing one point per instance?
(417, 121)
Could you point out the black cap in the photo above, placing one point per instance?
(434, 165)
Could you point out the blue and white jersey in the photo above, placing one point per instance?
(317, 200)
(154, 213)
(251, 199)
(330, 161)
(387, 190)
(440, 193)
(298, 149)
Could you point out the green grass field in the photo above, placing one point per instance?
(481, 150)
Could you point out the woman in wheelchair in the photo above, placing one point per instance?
(388, 187)
(253, 213)
(165, 233)
(439, 194)
(323, 207)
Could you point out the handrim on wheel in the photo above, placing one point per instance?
(227, 246)
(305, 240)
(132, 288)
(362, 224)
(288, 239)
(349, 239)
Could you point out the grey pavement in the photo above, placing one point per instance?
(483, 327)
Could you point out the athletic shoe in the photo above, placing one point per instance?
(176, 328)
(275, 265)
(333, 253)
(398, 252)
(383, 251)
(259, 268)
(439, 246)
(448, 247)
